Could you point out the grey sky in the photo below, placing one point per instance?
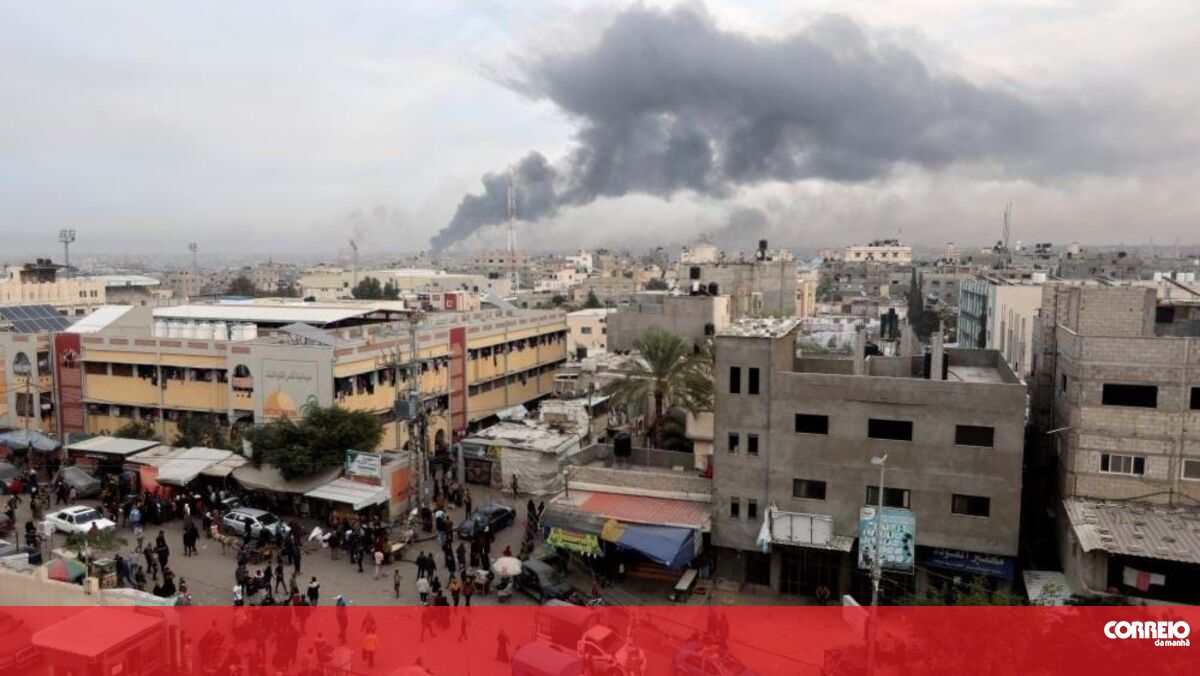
(284, 126)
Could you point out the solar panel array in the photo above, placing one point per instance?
(33, 318)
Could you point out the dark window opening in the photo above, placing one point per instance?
(971, 505)
(1062, 383)
(735, 508)
(1141, 396)
(1195, 403)
(751, 509)
(735, 380)
(812, 424)
(734, 442)
(974, 435)
(752, 444)
(895, 430)
(892, 497)
(752, 385)
(808, 489)
(1113, 463)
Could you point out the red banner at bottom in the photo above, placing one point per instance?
(612, 641)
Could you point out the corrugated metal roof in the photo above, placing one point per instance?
(95, 631)
(188, 465)
(273, 314)
(269, 478)
(353, 493)
(112, 445)
(155, 457)
(639, 509)
(1136, 529)
(100, 319)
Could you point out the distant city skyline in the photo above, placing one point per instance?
(291, 128)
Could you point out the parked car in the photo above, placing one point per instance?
(85, 484)
(704, 659)
(494, 516)
(6, 524)
(8, 472)
(8, 548)
(603, 651)
(539, 658)
(543, 582)
(236, 522)
(16, 645)
(79, 519)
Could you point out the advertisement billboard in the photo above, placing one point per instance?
(364, 464)
(68, 361)
(898, 539)
(458, 382)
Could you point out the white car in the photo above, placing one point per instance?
(79, 519)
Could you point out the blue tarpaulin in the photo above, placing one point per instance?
(671, 547)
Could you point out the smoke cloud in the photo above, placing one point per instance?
(667, 101)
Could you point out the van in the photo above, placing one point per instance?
(545, 659)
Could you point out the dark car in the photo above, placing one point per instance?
(700, 659)
(543, 582)
(495, 517)
(8, 472)
(85, 484)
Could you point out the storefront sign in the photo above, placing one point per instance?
(898, 538)
(69, 379)
(992, 565)
(574, 541)
(458, 382)
(362, 464)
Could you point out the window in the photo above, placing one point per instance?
(734, 442)
(751, 509)
(1113, 463)
(895, 430)
(735, 508)
(585, 330)
(973, 435)
(807, 423)
(808, 489)
(1191, 470)
(752, 444)
(1195, 404)
(892, 497)
(970, 505)
(1142, 396)
(752, 385)
(735, 380)
(1062, 383)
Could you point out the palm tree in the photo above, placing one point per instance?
(669, 372)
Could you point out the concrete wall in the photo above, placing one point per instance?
(688, 317)
(755, 288)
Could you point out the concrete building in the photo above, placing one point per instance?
(608, 290)
(806, 292)
(794, 441)
(135, 290)
(691, 317)
(763, 284)
(1116, 401)
(337, 284)
(588, 329)
(248, 363)
(890, 251)
(997, 314)
(42, 283)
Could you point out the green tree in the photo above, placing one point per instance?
(667, 372)
(241, 286)
(368, 289)
(319, 441)
(197, 429)
(592, 301)
(657, 284)
(101, 540)
(285, 290)
(137, 429)
(558, 300)
(391, 291)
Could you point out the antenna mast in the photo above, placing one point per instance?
(66, 236)
(354, 264)
(514, 278)
(1007, 235)
(194, 248)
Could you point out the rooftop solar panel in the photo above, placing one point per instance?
(33, 318)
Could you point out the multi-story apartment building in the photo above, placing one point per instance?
(764, 284)
(41, 283)
(1116, 403)
(248, 363)
(588, 329)
(337, 284)
(890, 251)
(792, 462)
(806, 292)
(996, 313)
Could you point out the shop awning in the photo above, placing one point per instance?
(1136, 529)
(94, 632)
(110, 446)
(814, 531)
(665, 545)
(357, 495)
(268, 478)
(633, 509)
(185, 467)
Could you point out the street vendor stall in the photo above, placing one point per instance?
(106, 641)
(282, 496)
(347, 495)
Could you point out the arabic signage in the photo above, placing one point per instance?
(898, 539)
(992, 565)
(362, 464)
(288, 387)
(575, 541)
(458, 382)
(69, 380)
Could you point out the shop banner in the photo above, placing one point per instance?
(575, 541)
(68, 361)
(898, 539)
(992, 565)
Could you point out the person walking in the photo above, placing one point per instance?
(396, 577)
(502, 638)
(378, 563)
(462, 628)
(314, 591)
(139, 534)
(423, 589)
(455, 589)
(279, 582)
(343, 618)
(468, 590)
(370, 646)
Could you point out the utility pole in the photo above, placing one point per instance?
(876, 569)
(66, 236)
(410, 407)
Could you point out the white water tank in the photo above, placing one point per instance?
(204, 330)
(160, 328)
(190, 329)
(220, 331)
(249, 331)
(175, 329)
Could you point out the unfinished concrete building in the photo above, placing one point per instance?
(1116, 404)
(794, 441)
(691, 317)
